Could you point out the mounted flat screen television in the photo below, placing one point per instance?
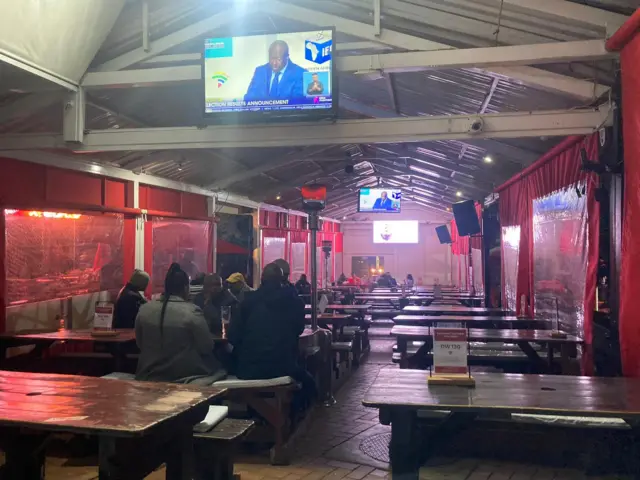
(395, 231)
(260, 77)
(379, 200)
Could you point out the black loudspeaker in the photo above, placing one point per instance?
(466, 218)
(443, 234)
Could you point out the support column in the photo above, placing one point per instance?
(73, 117)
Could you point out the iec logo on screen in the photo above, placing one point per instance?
(318, 52)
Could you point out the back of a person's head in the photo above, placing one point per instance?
(272, 275)
(139, 279)
(176, 282)
(211, 280)
(284, 266)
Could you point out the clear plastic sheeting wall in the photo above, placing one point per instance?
(560, 247)
(273, 248)
(183, 241)
(298, 255)
(476, 262)
(52, 255)
(510, 254)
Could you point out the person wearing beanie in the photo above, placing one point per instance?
(238, 286)
(130, 299)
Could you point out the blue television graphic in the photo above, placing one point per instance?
(318, 52)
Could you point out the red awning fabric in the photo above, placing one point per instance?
(225, 247)
(627, 41)
(557, 169)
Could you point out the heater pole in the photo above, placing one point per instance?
(313, 226)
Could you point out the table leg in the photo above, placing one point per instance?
(404, 449)
(24, 457)
(402, 348)
(539, 363)
(180, 461)
(565, 359)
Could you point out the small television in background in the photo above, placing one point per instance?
(443, 234)
(262, 77)
(379, 200)
(396, 231)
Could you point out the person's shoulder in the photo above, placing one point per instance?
(296, 68)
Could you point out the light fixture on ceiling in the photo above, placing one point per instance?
(344, 218)
(278, 197)
(179, 167)
(488, 159)
(458, 193)
(448, 209)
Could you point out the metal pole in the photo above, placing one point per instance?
(313, 225)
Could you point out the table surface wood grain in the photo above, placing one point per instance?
(454, 310)
(515, 393)
(343, 307)
(487, 335)
(94, 406)
(124, 335)
(429, 319)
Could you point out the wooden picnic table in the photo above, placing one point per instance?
(522, 338)
(453, 310)
(341, 308)
(506, 321)
(334, 322)
(140, 425)
(117, 345)
(401, 394)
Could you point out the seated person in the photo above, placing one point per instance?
(238, 286)
(173, 337)
(384, 280)
(211, 300)
(303, 286)
(130, 300)
(342, 279)
(265, 337)
(410, 281)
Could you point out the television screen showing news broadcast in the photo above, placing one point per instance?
(380, 200)
(275, 72)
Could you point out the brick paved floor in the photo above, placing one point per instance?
(330, 447)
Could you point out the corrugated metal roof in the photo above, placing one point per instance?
(435, 171)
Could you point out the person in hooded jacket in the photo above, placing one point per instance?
(130, 300)
(265, 337)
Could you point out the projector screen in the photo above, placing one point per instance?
(401, 231)
(284, 73)
(379, 200)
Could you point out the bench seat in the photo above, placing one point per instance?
(341, 346)
(234, 382)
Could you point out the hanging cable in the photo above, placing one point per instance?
(497, 32)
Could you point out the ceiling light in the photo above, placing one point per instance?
(344, 218)
(458, 193)
(448, 209)
(488, 159)
(278, 197)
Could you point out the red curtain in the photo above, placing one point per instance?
(557, 169)
(628, 41)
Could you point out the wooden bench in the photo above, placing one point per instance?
(271, 400)
(220, 445)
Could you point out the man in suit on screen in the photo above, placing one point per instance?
(278, 79)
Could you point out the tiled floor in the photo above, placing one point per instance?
(330, 447)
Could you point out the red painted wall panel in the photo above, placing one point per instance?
(115, 193)
(163, 200)
(21, 183)
(128, 248)
(194, 205)
(68, 187)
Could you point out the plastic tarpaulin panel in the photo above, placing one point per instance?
(273, 248)
(560, 254)
(60, 37)
(478, 278)
(510, 257)
(52, 255)
(186, 242)
(298, 264)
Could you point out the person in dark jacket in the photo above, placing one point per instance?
(265, 337)
(129, 300)
(212, 299)
(303, 286)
